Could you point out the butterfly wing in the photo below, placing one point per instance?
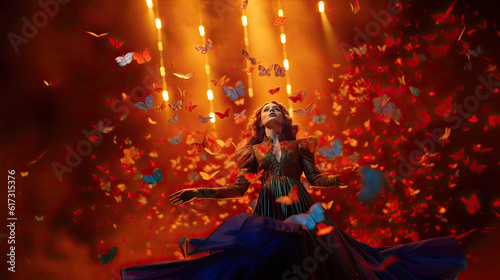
(172, 121)
(231, 92)
(337, 147)
(326, 152)
(157, 175)
(149, 102)
(148, 179)
(112, 253)
(284, 199)
(240, 88)
(317, 212)
(103, 258)
(278, 71)
(201, 49)
(146, 55)
(141, 105)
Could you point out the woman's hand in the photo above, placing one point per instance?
(183, 196)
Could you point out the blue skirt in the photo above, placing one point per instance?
(254, 247)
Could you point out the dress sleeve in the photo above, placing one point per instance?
(245, 158)
(306, 149)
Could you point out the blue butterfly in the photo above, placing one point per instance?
(477, 51)
(148, 104)
(234, 92)
(334, 150)
(319, 119)
(311, 218)
(152, 179)
(175, 140)
(175, 119)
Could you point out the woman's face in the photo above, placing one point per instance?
(271, 113)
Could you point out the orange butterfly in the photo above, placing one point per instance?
(279, 20)
(142, 57)
(446, 134)
(250, 177)
(293, 196)
(248, 70)
(220, 82)
(95, 35)
(50, 83)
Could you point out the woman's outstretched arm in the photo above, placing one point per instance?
(246, 164)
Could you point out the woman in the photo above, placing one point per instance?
(271, 245)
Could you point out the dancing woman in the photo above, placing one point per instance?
(271, 244)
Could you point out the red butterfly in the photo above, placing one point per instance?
(231, 68)
(115, 43)
(110, 101)
(472, 204)
(458, 156)
(440, 18)
(157, 89)
(104, 168)
(223, 115)
(155, 164)
(478, 169)
(263, 149)
(477, 148)
(190, 107)
(298, 96)
(274, 91)
(200, 146)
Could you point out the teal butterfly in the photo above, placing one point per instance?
(152, 179)
(104, 259)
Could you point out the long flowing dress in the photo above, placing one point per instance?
(269, 245)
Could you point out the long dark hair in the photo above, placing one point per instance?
(255, 133)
